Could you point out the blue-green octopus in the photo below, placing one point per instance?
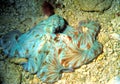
(53, 47)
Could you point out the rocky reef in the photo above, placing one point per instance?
(23, 15)
(95, 5)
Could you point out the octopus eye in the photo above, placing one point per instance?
(16, 37)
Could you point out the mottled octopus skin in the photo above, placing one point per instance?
(50, 54)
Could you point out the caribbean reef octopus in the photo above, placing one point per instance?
(53, 47)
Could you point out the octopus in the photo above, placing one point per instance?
(53, 47)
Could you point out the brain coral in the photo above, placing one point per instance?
(50, 54)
